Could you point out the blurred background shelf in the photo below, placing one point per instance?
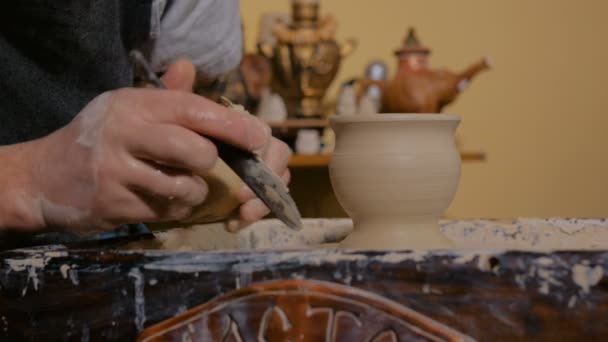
(291, 126)
(300, 123)
(322, 160)
(309, 160)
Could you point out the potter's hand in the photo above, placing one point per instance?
(274, 152)
(129, 156)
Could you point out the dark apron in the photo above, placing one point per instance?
(55, 57)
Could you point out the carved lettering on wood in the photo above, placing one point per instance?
(269, 322)
(233, 334)
(386, 336)
(301, 310)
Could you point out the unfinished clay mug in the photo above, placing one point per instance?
(395, 175)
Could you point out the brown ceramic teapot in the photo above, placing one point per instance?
(418, 89)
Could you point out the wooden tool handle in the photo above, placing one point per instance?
(220, 204)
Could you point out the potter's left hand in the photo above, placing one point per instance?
(275, 153)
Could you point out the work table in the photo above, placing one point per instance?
(489, 290)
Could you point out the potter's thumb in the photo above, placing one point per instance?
(180, 75)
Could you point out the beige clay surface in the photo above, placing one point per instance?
(520, 233)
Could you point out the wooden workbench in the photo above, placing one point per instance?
(52, 293)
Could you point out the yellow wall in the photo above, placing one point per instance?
(539, 115)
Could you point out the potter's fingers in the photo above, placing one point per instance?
(153, 209)
(174, 146)
(263, 151)
(153, 180)
(245, 194)
(234, 225)
(180, 75)
(277, 156)
(286, 176)
(198, 114)
(249, 212)
(253, 210)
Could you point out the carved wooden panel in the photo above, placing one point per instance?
(301, 310)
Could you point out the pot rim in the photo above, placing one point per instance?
(384, 117)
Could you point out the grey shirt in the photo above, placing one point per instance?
(204, 31)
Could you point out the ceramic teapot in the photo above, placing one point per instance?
(415, 87)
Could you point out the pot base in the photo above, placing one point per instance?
(419, 234)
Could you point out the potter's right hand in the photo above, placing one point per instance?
(130, 156)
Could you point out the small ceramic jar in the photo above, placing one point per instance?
(308, 141)
(395, 175)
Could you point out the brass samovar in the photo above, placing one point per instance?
(305, 58)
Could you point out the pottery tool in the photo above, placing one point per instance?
(263, 182)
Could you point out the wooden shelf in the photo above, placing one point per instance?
(322, 160)
(312, 160)
(472, 156)
(300, 123)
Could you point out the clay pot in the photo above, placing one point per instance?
(395, 175)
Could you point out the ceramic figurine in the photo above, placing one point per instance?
(271, 107)
(328, 141)
(415, 87)
(346, 103)
(305, 58)
(375, 70)
(308, 142)
(367, 105)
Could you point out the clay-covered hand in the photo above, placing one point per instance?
(274, 152)
(132, 155)
(276, 155)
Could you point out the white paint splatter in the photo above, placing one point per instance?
(544, 261)
(586, 277)
(544, 288)
(395, 258)
(19, 265)
(33, 264)
(483, 262)
(465, 258)
(139, 299)
(64, 270)
(74, 276)
(347, 279)
(33, 276)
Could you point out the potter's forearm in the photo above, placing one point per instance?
(17, 205)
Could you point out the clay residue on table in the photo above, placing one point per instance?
(265, 234)
(529, 233)
(523, 233)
